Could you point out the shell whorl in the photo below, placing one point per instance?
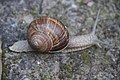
(47, 34)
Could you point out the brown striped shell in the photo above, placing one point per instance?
(47, 34)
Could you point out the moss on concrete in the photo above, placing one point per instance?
(86, 57)
(68, 67)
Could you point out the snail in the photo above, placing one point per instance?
(47, 34)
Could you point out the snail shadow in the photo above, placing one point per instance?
(46, 53)
(46, 56)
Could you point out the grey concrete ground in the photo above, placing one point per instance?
(93, 63)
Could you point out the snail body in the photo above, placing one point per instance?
(47, 34)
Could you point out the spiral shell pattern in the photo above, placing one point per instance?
(47, 34)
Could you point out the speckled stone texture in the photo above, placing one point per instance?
(93, 63)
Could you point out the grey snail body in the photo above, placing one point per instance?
(47, 34)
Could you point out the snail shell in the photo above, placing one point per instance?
(47, 34)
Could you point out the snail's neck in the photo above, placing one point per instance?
(82, 40)
(77, 43)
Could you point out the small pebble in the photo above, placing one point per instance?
(74, 6)
(90, 4)
(28, 18)
(38, 62)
